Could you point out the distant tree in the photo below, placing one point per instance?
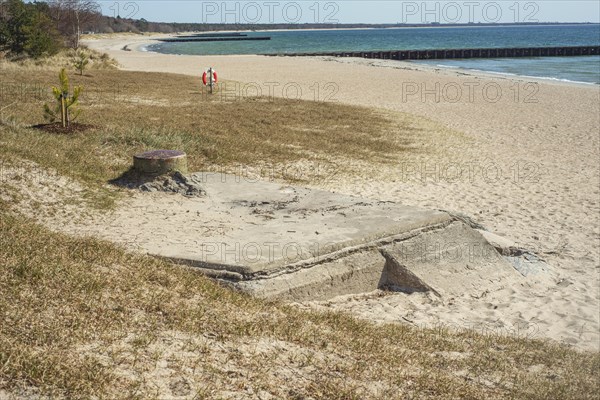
(17, 17)
(27, 28)
(141, 24)
(72, 16)
(42, 38)
(3, 23)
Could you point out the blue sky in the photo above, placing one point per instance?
(350, 11)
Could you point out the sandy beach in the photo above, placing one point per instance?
(526, 167)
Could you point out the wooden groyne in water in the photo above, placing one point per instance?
(213, 39)
(460, 53)
(212, 34)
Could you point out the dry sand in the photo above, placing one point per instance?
(527, 170)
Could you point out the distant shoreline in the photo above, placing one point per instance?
(141, 42)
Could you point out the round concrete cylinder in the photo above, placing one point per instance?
(160, 162)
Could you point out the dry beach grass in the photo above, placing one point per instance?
(136, 111)
(83, 318)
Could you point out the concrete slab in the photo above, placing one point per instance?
(295, 243)
(446, 260)
(273, 227)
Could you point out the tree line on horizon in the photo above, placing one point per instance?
(42, 28)
(107, 24)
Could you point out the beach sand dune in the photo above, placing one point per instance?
(525, 167)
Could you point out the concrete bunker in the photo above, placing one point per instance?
(294, 243)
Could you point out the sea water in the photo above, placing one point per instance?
(580, 69)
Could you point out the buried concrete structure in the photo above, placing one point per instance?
(159, 162)
(160, 171)
(275, 240)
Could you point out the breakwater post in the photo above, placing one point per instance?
(442, 54)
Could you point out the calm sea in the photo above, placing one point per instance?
(580, 69)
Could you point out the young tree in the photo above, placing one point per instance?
(80, 61)
(66, 103)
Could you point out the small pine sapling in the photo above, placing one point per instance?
(66, 103)
(81, 61)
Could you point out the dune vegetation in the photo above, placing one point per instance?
(83, 318)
